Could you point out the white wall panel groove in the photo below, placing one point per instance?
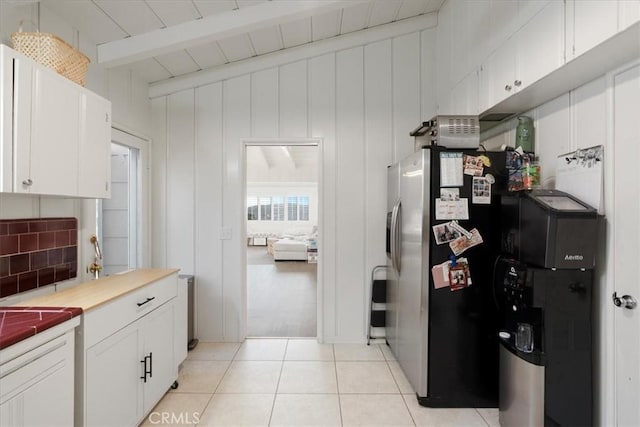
(293, 100)
(159, 179)
(378, 88)
(322, 124)
(406, 92)
(350, 198)
(180, 181)
(208, 215)
(236, 125)
(265, 116)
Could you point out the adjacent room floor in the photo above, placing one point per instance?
(298, 382)
(281, 296)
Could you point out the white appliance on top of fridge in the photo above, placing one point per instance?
(445, 341)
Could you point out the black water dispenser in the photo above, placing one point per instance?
(543, 288)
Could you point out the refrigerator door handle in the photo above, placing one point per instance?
(393, 245)
(396, 239)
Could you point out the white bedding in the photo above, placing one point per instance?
(290, 245)
(289, 250)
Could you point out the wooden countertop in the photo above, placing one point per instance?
(92, 294)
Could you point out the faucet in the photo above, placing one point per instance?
(95, 267)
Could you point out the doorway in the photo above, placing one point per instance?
(281, 219)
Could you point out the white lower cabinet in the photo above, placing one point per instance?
(113, 383)
(125, 372)
(37, 386)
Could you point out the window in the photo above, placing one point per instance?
(303, 204)
(278, 208)
(265, 208)
(292, 208)
(252, 208)
(274, 208)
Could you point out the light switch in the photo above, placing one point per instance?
(225, 233)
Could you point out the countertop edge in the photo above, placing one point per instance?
(92, 294)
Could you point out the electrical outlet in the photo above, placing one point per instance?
(225, 233)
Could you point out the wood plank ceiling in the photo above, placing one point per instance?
(125, 30)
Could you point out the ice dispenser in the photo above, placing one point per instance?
(552, 229)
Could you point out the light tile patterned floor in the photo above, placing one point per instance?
(298, 382)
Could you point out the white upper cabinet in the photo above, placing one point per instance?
(534, 51)
(589, 23)
(628, 13)
(55, 134)
(541, 45)
(47, 162)
(94, 169)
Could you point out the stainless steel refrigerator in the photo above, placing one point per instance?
(445, 341)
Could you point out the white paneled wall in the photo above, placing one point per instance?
(361, 103)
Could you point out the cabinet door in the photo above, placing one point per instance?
(158, 336)
(113, 388)
(593, 22)
(497, 75)
(628, 12)
(55, 135)
(95, 147)
(22, 87)
(540, 45)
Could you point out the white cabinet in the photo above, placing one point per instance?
(37, 384)
(531, 53)
(47, 134)
(94, 172)
(55, 134)
(113, 386)
(128, 359)
(628, 13)
(589, 23)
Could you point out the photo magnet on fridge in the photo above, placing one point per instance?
(461, 244)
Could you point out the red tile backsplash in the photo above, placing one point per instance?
(36, 253)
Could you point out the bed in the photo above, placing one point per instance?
(290, 250)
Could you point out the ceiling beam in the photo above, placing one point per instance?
(287, 154)
(211, 28)
(264, 156)
(196, 79)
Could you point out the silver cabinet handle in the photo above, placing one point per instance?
(27, 182)
(507, 88)
(517, 83)
(625, 301)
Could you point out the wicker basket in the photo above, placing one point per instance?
(53, 52)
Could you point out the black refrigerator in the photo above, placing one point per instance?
(442, 327)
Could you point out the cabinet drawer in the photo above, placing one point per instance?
(23, 372)
(103, 321)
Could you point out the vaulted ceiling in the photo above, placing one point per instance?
(160, 39)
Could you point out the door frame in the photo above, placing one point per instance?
(318, 142)
(128, 138)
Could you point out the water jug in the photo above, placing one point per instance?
(524, 134)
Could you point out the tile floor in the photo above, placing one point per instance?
(298, 382)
